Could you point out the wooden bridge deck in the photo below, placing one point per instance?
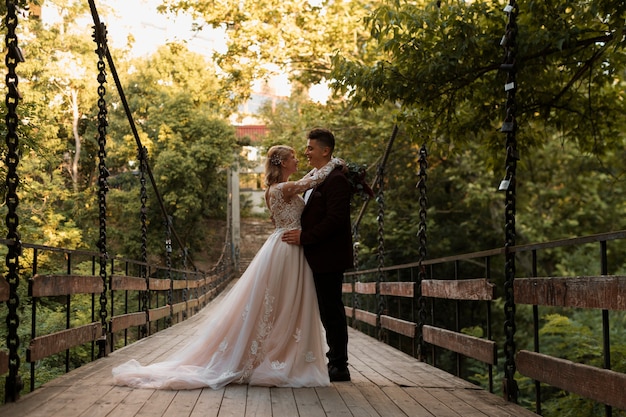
(385, 382)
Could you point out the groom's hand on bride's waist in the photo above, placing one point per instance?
(292, 237)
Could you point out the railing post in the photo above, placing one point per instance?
(421, 237)
(14, 56)
(508, 185)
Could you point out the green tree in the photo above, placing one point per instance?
(179, 115)
(295, 37)
(441, 62)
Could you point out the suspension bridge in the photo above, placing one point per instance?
(394, 349)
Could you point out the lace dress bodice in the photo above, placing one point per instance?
(285, 201)
(286, 214)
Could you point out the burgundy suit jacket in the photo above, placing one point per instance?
(326, 229)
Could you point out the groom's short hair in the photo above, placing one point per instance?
(323, 136)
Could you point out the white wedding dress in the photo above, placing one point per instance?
(266, 330)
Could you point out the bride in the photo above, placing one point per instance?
(267, 329)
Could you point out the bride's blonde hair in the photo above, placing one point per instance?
(273, 164)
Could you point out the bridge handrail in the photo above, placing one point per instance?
(621, 234)
(603, 292)
(173, 295)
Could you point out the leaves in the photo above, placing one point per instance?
(442, 66)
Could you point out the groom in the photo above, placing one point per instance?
(327, 240)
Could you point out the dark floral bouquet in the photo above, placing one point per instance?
(356, 176)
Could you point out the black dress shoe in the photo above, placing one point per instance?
(338, 374)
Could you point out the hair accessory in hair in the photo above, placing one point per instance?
(275, 159)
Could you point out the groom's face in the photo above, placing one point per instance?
(316, 153)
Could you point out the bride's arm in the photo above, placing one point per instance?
(291, 188)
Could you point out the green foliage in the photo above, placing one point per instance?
(297, 37)
(441, 65)
(174, 102)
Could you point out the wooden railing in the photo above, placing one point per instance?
(143, 303)
(389, 307)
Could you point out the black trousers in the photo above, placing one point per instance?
(333, 315)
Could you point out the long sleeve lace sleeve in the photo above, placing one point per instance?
(310, 180)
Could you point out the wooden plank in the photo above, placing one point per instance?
(365, 316)
(44, 397)
(361, 371)
(602, 385)
(158, 401)
(44, 346)
(491, 404)
(126, 321)
(195, 283)
(440, 407)
(365, 287)
(179, 284)
(208, 404)
(462, 289)
(258, 402)
(404, 327)
(156, 284)
(391, 364)
(131, 405)
(4, 362)
(70, 402)
(97, 406)
(126, 283)
(406, 403)
(53, 285)
(355, 401)
(307, 403)
(178, 307)
(183, 403)
(346, 288)
(470, 346)
(603, 292)
(398, 289)
(234, 401)
(331, 402)
(5, 290)
(383, 405)
(283, 402)
(158, 313)
(458, 405)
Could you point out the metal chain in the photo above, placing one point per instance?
(168, 263)
(421, 237)
(100, 39)
(14, 56)
(380, 199)
(509, 186)
(143, 195)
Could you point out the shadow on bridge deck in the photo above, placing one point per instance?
(385, 382)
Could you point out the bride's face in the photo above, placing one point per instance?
(291, 164)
